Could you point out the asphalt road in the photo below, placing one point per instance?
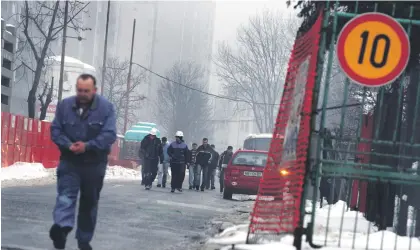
(130, 218)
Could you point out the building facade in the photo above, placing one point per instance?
(8, 46)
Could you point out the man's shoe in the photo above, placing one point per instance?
(190, 188)
(158, 185)
(164, 185)
(147, 187)
(172, 190)
(59, 235)
(202, 189)
(213, 188)
(84, 246)
(179, 189)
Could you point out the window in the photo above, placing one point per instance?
(4, 99)
(7, 64)
(8, 46)
(250, 159)
(5, 81)
(257, 144)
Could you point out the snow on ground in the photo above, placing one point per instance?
(340, 218)
(23, 171)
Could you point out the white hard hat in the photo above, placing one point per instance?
(153, 131)
(179, 134)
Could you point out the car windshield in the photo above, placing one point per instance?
(257, 159)
(262, 144)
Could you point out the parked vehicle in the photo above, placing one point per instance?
(258, 142)
(243, 173)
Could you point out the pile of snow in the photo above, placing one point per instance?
(24, 171)
(122, 173)
(31, 171)
(339, 218)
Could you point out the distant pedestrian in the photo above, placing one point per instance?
(163, 168)
(151, 150)
(178, 151)
(212, 168)
(225, 158)
(193, 166)
(84, 129)
(203, 160)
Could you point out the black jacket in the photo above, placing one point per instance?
(193, 155)
(179, 153)
(225, 158)
(151, 149)
(214, 160)
(204, 155)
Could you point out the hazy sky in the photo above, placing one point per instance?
(230, 15)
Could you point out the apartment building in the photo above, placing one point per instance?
(8, 46)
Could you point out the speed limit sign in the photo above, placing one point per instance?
(373, 49)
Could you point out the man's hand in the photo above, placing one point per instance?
(78, 147)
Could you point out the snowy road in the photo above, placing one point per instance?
(129, 217)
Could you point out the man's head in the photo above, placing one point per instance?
(153, 132)
(194, 145)
(164, 139)
(213, 146)
(178, 136)
(205, 142)
(86, 88)
(229, 148)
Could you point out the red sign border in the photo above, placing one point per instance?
(398, 28)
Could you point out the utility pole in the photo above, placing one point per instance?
(105, 48)
(129, 78)
(63, 53)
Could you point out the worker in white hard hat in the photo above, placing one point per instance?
(179, 154)
(151, 150)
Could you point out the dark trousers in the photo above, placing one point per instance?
(178, 175)
(205, 176)
(150, 169)
(211, 172)
(72, 178)
(221, 179)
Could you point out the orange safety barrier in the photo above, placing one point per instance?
(277, 207)
(28, 140)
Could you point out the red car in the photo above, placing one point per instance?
(243, 173)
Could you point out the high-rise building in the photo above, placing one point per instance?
(8, 45)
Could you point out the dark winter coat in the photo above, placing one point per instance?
(151, 148)
(225, 158)
(214, 159)
(204, 155)
(193, 154)
(178, 152)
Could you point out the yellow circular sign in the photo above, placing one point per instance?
(373, 49)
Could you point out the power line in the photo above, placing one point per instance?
(201, 91)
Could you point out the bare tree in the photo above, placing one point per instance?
(180, 107)
(41, 23)
(255, 70)
(115, 90)
(45, 97)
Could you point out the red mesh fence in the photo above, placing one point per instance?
(28, 140)
(277, 207)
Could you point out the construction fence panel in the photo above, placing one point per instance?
(277, 206)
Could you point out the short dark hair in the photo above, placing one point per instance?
(230, 147)
(212, 145)
(164, 139)
(205, 139)
(87, 76)
(194, 144)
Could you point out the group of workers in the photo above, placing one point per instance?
(201, 161)
(84, 129)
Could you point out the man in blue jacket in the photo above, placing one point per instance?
(84, 130)
(163, 168)
(179, 154)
